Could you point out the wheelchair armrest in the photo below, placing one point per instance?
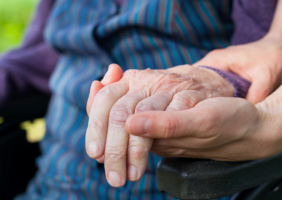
(185, 178)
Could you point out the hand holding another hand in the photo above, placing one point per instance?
(259, 62)
(109, 107)
(225, 129)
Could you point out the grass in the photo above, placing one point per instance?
(14, 17)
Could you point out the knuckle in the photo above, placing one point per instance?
(208, 125)
(106, 91)
(119, 114)
(130, 73)
(95, 123)
(215, 52)
(154, 102)
(137, 152)
(182, 98)
(260, 94)
(169, 127)
(142, 107)
(114, 156)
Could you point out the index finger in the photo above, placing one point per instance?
(174, 124)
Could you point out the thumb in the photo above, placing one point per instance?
(160, 124)
(259, 90)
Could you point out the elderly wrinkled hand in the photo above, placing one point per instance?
(178, 88)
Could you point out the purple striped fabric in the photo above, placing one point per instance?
(241, 85)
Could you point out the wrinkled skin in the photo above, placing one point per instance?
(225, 129)
(110, 105)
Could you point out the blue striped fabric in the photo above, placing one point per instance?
(90, 35)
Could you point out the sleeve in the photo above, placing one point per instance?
(241, 85)
(27, 69)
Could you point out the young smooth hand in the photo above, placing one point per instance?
(259, 62)
(225, 129)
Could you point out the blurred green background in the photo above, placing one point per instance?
(14, 17)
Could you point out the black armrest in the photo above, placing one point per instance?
(205, 179)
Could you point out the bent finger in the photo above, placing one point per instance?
(186, 99)
(158, 101)
(98, 121)
(138, 147)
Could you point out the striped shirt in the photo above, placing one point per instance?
(90, 35)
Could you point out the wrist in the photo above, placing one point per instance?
(275, 36)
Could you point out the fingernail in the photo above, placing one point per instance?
(93, 149)
(139, 125)
(132, 173)
(114, 179)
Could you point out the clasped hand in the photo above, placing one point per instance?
(118, 96)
